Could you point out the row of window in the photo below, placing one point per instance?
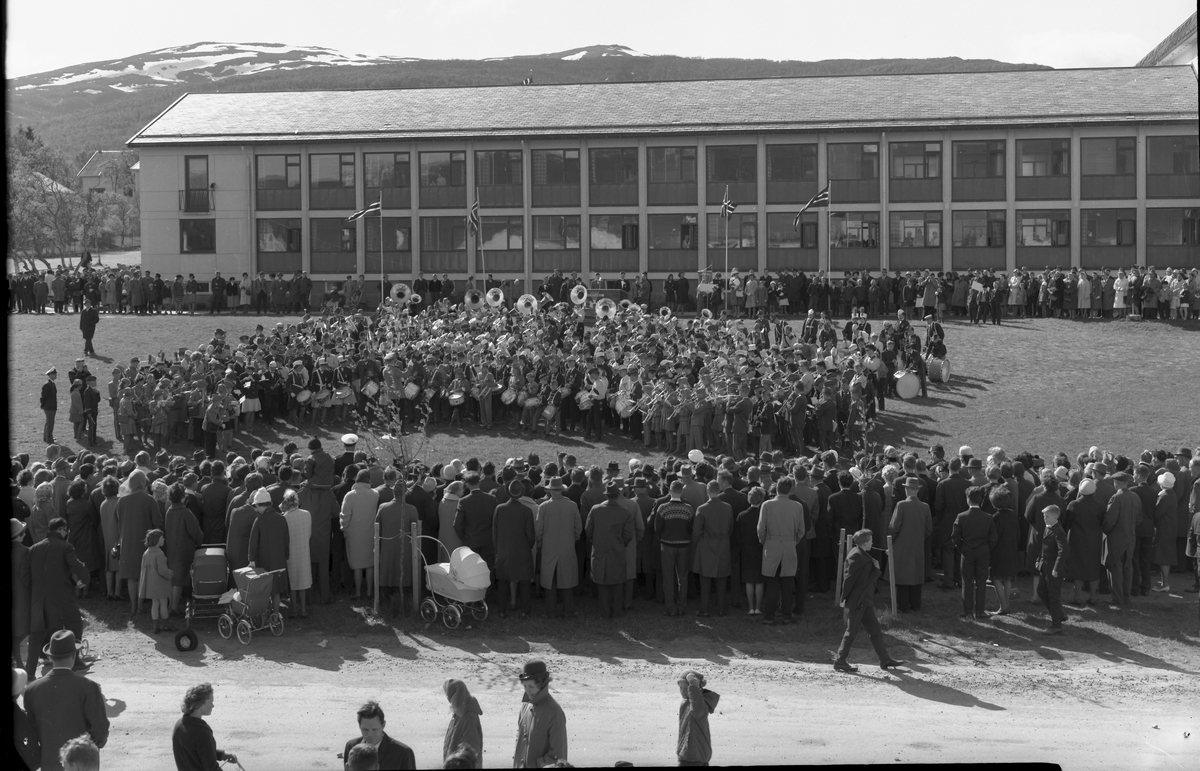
(613, 172)
(919, 230)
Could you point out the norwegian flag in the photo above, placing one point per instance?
(727, 206)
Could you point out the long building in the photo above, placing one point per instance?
(1090, 168)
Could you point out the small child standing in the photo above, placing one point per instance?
(695, 741)
(154, 582)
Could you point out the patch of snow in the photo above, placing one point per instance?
(576, 57)
(92, 91)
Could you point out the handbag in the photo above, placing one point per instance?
(115, 552)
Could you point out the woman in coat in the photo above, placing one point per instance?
(270, 545)
(1085, 541)
(137, 514)
(183, 537)
(299, 559)
(22, 603)
(447, 508)
(910, 525)
(154, 579)
(358, 528)
(1003, 561)
(1164, 514)
(75, 415)
(464, 725)
(81, 524)
(744, 541)
(396, 518)
(110, 528)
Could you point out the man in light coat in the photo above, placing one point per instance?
(780, 528)
(557, 528)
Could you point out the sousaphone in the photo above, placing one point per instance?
(605, 308)
(664, 313)
(494, 297)
(579, 295)
(474, 300)
(415, 299)
(527, 304)
(401, 293)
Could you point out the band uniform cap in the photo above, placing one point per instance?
(535, 669)
(52, 371)
(62, 643)
(349, 439)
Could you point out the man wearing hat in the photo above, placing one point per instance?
(514, 538)
(52, 574)
(609, 528)
(557, 528)
(911, 524)
(1120, 533)
(64, 704)
(49, 404)
(349, 442)
(542, 724)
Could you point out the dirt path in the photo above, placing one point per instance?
(288, 702)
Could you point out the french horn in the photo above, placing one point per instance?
(579, 295)
(495, 297)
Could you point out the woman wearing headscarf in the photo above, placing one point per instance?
(358, 527)
(464, 725)
(446, 512)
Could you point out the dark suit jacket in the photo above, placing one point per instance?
(50, 574)
(393, 755)
(473, 523)
(858, 579)
(1054, 551)
(949, 500)
(846, 509)
(49, 400)
(341, 462)
(975, 532)
(64, 705)
(827, 414)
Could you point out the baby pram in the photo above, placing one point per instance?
(457, 586)
(210, 579)
(249, 608)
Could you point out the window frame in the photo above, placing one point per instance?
(509, 167)
(990, 218)
(1189, 155)
(344, 228)
(896, 226)
(626, 221)
(624, 164)
(800, 161)
(895, 154)
(455, 225)
(686, 152)
(289, 231)
(864, 220)
(341, 164)
(451, 162)
(864, 155)
(992, 149)
(396, 163)
(399, 223)
(1058, 152)
(737, 235)
(288, 165)
(687, 224)
(187, 222)
(740, 165)
(187, 172)
(1058, 227)
(563, 232)
(564, 165)
(509, 220)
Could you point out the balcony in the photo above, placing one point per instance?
(853, 258)
(613, 195)
(1044, 188)
(911, 258)
(614, 260)
(1173, 185)
(1108, 186)
(792, 259)
(196, 201)
(979, 189)
(277, 199)
(557, 195)
(905, 190)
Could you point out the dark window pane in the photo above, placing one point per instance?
(791, 163)
(197, 173)
(197, 236)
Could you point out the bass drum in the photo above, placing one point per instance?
(411, 390)
(908, 385)
(939, 370)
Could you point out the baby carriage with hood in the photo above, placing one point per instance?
(210, 579)
(457, 586)
(249, 608)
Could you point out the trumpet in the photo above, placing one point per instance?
(495, 297)
(579, 295)
(474, 300)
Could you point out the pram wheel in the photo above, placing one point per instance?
(243, 632)
(429, 610)
(451, 617)
(186, 641)
(276, 624)
(480, 610)
(85, 648)
(225, 626)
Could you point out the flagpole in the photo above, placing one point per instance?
(726, 217)
(382, 293)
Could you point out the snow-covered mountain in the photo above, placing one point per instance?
(191, 64)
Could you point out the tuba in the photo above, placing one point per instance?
(527, 304)
(579, 295)
(664, 313)
(415, 299)
(625, 304)
(495, 297)
(605, 308)
(706, 314)
(401, 293)
(474, 300)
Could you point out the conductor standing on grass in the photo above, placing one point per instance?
(858, 604)
(695, 742)
(88, 320)
(1052, 563)
(49, 404)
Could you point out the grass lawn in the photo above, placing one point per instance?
(1041, 385)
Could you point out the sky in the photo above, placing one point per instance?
(1078, 33)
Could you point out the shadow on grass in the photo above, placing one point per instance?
(905, 427)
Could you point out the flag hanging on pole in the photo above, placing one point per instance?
(473, 217)
(528, 81)
(373, 208)
(818, 200)
(727, 206)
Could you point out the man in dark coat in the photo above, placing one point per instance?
(1143, 549)
(846, 507)
(270, 543)
(63, 704)
(52, 575)
(214, 501)
(241, 522)
(974, 534)
(392, 754)
(88, 320)
(514, 538)
(609, 529)
(1121, 518)
(49, 404)
(1052, 563)
(949, 500)
(349, 442)
(427, 512)
(860, 573)
(473, 520)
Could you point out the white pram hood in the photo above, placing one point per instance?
(469, 569)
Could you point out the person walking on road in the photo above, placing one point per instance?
(541, 725)
(88, 320)
(192, 741)
(464, 725)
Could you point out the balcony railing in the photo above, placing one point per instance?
(196, 200)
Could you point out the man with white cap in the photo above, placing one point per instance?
(1052, 564)
(349, 442)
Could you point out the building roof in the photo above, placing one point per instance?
(1171, 43)
(96, 166)
(875, 102)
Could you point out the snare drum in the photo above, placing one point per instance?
(549, 412)
(565, 391)
(345, 392)
(908, 385)
(585, 400)
(457, 398)
(411, 390)
(323, 396)
(304, 397)
(939, 369)
(371, 388)
(623, 406)
(533, 401)
(509, 396)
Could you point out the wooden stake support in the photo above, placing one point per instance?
(892, 575)
(837, 599)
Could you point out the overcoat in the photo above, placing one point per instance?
(473, 523)
(711, 530)
(911, 524)
(609, 529)
(1003, 561)
(358, 525)
(395, 552)
(51, 574)
(1165, 508)
(20, 591)
(1084, 521)
(183, 537)
(270, 545)
(137, 514)
(514, 538)
(780, 528)
(557, 528)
